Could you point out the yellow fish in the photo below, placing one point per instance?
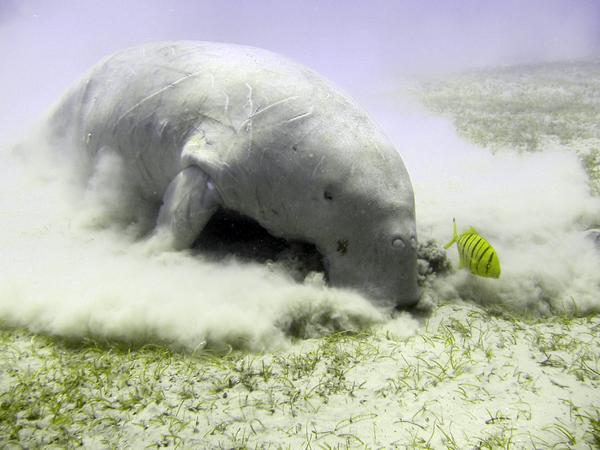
(476, 253)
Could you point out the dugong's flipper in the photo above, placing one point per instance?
(188, 204)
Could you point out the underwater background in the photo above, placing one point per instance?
(102, 345)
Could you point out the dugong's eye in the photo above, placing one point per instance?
(327, 194)
(398, 243)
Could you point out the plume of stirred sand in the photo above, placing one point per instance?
(67, 267)
(67, 271)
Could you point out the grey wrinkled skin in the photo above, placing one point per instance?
(204, 125)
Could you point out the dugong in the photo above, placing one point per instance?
(201, 126)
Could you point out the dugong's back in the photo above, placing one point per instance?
(145, 102)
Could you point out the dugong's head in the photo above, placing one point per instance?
(356, 205)
(369, 239)
(316, 168)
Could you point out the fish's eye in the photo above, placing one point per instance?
(398, 243)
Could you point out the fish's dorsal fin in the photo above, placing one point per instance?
(472, 231)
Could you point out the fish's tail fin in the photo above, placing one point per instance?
(454, 234)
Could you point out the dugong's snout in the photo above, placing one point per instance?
(396, 276)
(408, 294)
(388, 278)
(394, 263)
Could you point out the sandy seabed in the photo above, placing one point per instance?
(461, 379)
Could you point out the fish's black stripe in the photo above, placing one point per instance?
(465, 257)
(478, 247)
(471, 246)
(474, 244)
(464, 237)
(470, 252)
(482, 255)
(461, 254)
(463, 242)
(462, 250)
(468, 240)
(467, 237)
(487, 266)
(479, 250)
